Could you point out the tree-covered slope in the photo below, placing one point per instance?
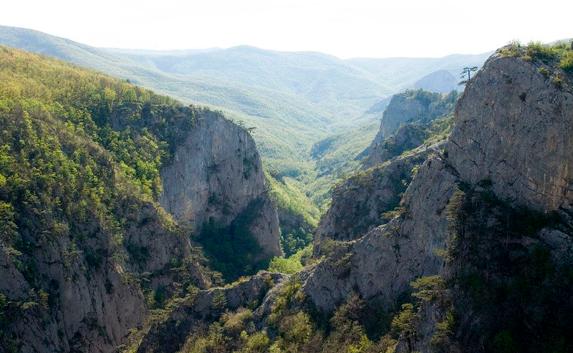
(86, 249)
(293, 99)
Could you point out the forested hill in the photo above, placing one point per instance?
(85, 247)
(294, 99)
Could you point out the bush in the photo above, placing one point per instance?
(403, 323)
(256, 343)
(291, 264)
(235, 323)
(540, 51)
(566, 63)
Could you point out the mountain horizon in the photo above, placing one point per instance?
(293, 99)
(226, 198)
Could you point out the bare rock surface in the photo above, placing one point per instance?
(515, 128)
(381, 264)
(359, 203)
(215, 176)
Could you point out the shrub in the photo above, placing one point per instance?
(256, 343)
(235, 323)
(296, 329)
(566, 63)
(219, 301)
(428, 288)
(540, 51)
(291, 264)
(403, 323)
(544, 71)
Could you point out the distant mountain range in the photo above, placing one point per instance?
(294, 99)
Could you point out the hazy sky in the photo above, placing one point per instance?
(354, 28)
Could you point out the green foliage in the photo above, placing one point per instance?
(258, 342)
(566, 62)
(542, 52)
(269, 91)
(298, 216)
(558, 55)
(219, 301)
(444, 331)
(292, 328)
(235, 323)
(403, 324)
(80, 155)
(439, 129)
(8, 229)
(428, 288)
(291, 264)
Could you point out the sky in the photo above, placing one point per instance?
(352, 28)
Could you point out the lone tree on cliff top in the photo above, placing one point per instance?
(466, 74)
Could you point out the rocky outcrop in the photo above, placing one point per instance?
(204, 307)
(86, 250)
(215, 176)
(513, 127)
(483, 264)
(411, 107)
(85, 295)
(406, 138)
(94, 294)
(512, 130)
(360, 203)
(381, 264)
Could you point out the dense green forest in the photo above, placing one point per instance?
(80, 155)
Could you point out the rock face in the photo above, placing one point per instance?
(360, 202)
(381, 264)
(202, 308)
(92, 298)
(513, 127)
(86, 250)
(95, 300)
(413, 106)
(407, 137)
(215, 176)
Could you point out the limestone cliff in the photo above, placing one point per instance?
(512, 130)
(477, 257)
(364, 200)
(513, 127)
(215, 176)
(406, 138)
(371, 196)
(408, 107)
